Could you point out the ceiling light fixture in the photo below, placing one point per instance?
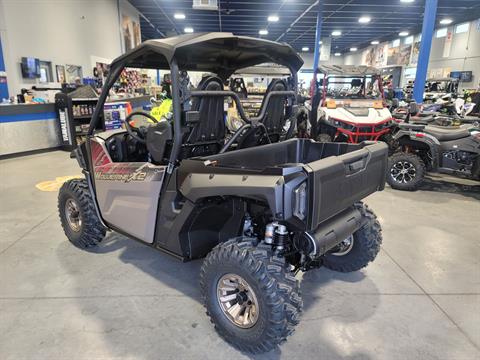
(364, 20)
(273, 18)
(336, 33)
(263, 32)
(407, 1)
(375, 42)
(179, 16)
(403, 33)
(353, 49)
(305, 48)
(338, 54)
(446, 21)
(320, 42)
(188, 30)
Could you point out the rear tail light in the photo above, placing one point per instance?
(300, 199)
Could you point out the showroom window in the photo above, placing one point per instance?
(462, 28)
(441, 33)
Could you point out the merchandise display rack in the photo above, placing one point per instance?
(74, 112)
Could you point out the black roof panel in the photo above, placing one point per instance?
(217, 52)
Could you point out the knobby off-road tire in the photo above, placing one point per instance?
(78, 216)
(364, 248)
(275, 289)
(406, 161)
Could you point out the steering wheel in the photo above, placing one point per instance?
(129, 128)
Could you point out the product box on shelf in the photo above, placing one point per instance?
(115, 113)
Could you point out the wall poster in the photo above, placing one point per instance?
(399, 55)
(60, 70)
(131, 32)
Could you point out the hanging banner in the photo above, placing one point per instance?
(368, 56)
(325, 49)
(448, 44)
(415, 53)
(375, 55)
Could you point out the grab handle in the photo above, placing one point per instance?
(356, 163)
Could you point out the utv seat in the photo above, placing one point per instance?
(207, 134)
(274, 119)
(237, 85)
(446, 134)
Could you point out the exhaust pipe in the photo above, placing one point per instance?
(330, 233)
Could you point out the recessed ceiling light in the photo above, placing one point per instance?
(179, 16)
(263, 32)
(338, 54)
(305, 48)
(407, 1)
(273, 18)
(446, 21)
(188, 30)
(336, 33)
(364, 20)
(353, 49)
(403, 33)
(375, 42)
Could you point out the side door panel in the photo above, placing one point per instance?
(127, 193)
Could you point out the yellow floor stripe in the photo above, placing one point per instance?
(54, 185)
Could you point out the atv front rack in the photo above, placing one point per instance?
(356, 133)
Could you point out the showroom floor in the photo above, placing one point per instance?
(419, 300)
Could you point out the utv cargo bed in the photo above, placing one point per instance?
(339, 174)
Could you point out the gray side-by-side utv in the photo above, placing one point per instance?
(258, 214)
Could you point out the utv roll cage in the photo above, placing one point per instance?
(319, 90)
(348, 71)
(219, 53)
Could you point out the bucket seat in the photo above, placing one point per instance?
(274, 119)
(207, 134)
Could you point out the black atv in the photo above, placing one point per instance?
(421, 148)
(258, 214)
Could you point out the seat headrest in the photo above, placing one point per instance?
(210, 83)
(277, 85)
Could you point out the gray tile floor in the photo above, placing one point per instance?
(419, 300)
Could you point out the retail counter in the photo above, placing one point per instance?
(31, 127)
(28, 127)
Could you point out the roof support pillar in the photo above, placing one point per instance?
(318, 33)
(429, 17)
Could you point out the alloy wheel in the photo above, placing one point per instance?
(72, 214)
(403, 172)
(237, 300)
(344, 247)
